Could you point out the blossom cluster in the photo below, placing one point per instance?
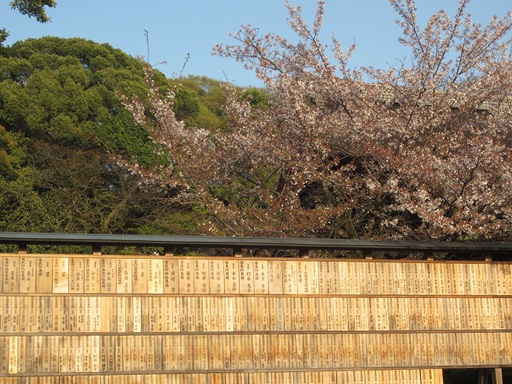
(413, 151)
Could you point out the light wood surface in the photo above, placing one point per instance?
(275, 319)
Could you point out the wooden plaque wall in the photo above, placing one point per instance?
(127, 319)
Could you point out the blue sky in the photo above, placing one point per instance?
(177, 28)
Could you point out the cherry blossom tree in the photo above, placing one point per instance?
(420, 150)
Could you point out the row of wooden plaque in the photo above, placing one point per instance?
(424, 376)
(85, 314)
(21, 355)
(173, 275)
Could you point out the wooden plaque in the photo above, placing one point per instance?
(313, 277)
(129, 315)
(306, 314)
(241, 310)
(340, 280)
(105, 309)
(363, 277)
(82, 355)
(350, 271)
(90, 313)
(215, 357)
(124, 276)
(506, 270)
(44, 275)
(155, 276)
(246, 276)
(314, 312)
(372, 283)
(261, 281)
(11, 273)
(263, 320)
(499, 281)
(216, 268)
(138, 353)
(231, 276)
(300, 276)
(305, 277)
(290, 277)
(201, 277)
(191, 310)
(140, 276)
(96, 315)
(214, 314)
(95, 353)
(323, 268)
(205, 351)
(29, 314)
(175, 303)
(185, 345)
(27, 274)
(108, 278)
(104, 354)
(168, 352)
(76, 275)
(226, 353)
(92, 275)
(171, 276)
(422, 272)
(121, 313)
(236, 354)
(507, 311)
(284, 347)
(186, 276)
(275, 276)
(60, 275)
(128, 349)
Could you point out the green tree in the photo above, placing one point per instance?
(21, 207)
(30, 8)
(10, 155)
(62, 122)
(66, 91)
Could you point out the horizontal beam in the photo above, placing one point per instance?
(23, 239)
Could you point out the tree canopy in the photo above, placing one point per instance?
(62, 124)
(30, 8)
(416, 151)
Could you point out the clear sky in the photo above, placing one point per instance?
(177, 28)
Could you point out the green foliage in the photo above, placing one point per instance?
(22, 208)
(33, 8)
(186, 105)
(199, 102)
(10, 155)
(256, 96)
(66, 91)
(30, 8)
(3, 35)
(63, 118)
